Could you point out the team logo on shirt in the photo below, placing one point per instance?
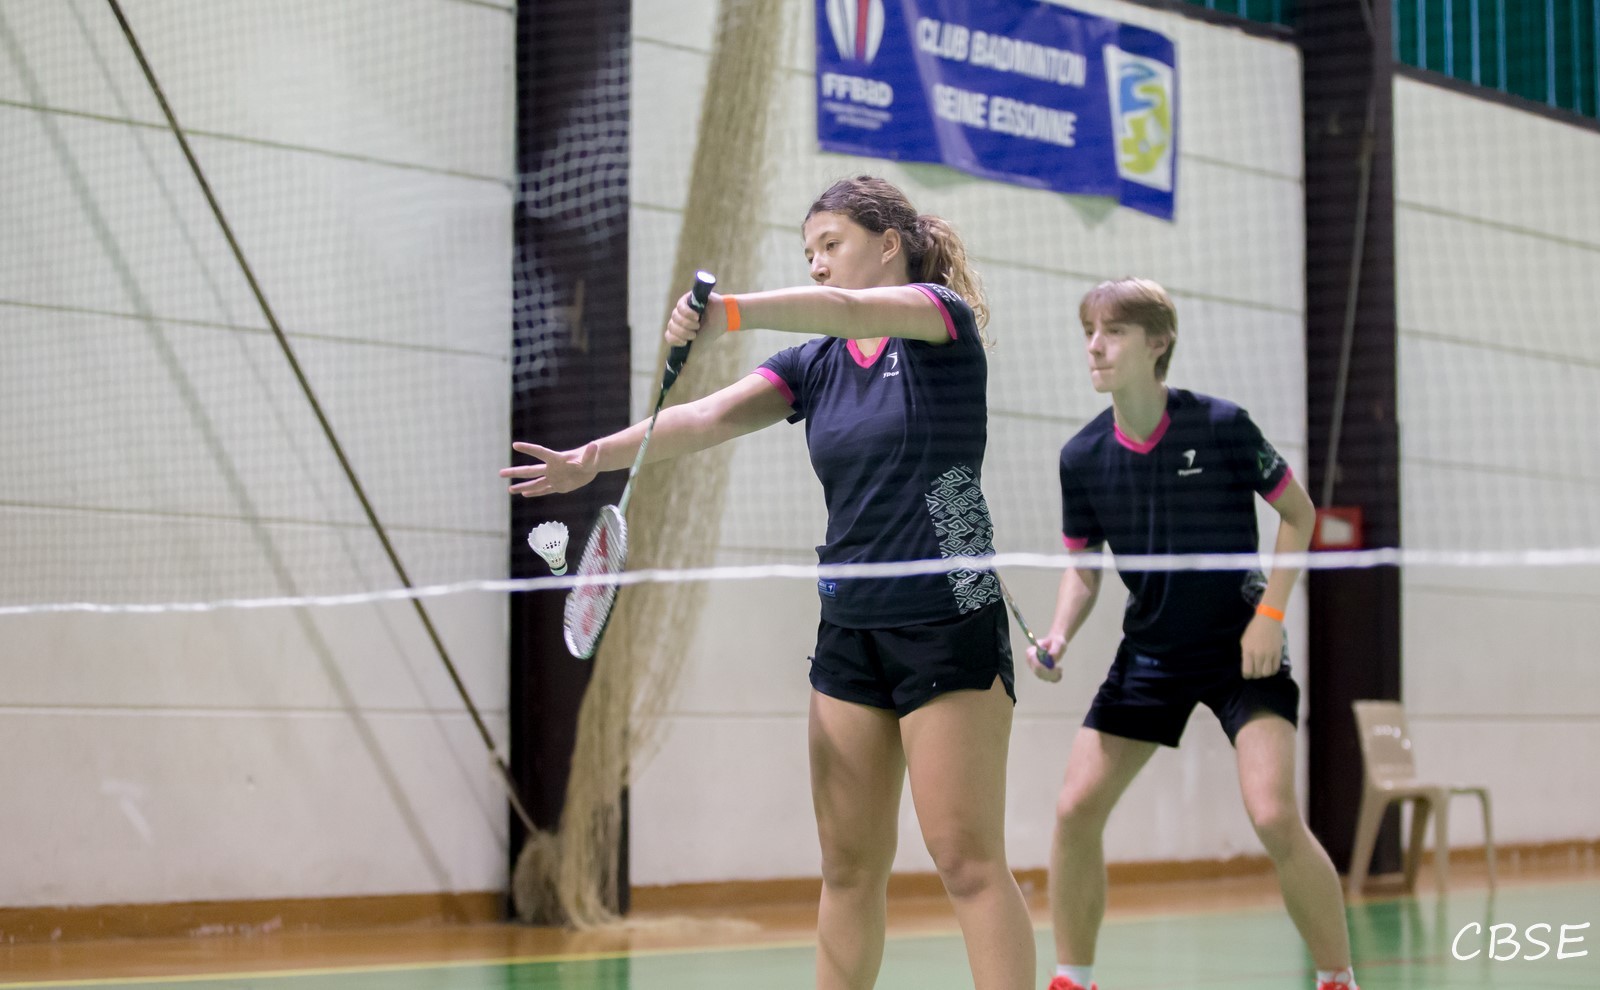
(894, 365)
(1188, 465)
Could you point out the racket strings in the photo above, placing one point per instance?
(589, 606)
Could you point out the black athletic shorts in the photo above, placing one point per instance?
(1150, 699)
(905, 667)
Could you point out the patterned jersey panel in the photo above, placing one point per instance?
(961, 521)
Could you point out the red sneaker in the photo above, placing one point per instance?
(1065, 983)
(1330, 985)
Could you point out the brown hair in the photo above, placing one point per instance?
(1139, 301)
(934, 252)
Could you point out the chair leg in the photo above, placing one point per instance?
(1420, 808)
(1441, 844)
(1368, 818)
(1488, 835)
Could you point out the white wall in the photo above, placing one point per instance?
(1498, 288)
(157, 449)
(727, 796)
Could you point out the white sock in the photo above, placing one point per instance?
(1081, 975)
(1346, 976)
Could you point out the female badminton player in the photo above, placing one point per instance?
(909, 673)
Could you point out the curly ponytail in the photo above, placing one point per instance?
(944, 262)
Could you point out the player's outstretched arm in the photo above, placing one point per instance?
(743, 407)
(887, 311)
(1075, 598)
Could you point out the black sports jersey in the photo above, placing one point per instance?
(1189, 488)
(897, 441)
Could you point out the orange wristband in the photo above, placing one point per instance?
(1270, 612)
(730, 306)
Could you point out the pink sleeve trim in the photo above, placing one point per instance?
(944, 311)
(1277, 489)
(1075, 542)
(778, 383)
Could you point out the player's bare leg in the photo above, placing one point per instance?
(857, 770)
(1311, 891)
(1099, 769)
(956, 746)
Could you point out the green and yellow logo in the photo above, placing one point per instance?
(1142, 111)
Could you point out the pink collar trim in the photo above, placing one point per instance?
(862, 359)
(1150, 444)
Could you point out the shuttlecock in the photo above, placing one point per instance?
(549, 540)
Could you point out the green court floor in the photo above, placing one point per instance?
(1399, 945)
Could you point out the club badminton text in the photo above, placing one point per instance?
(958, 43)
(1501, 944)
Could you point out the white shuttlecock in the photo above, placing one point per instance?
(549, 540)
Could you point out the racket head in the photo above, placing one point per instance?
(589, 606)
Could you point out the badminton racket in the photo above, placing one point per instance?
(1016, 613)
(605, 554)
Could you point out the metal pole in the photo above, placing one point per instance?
(1550, 52)
(1500, 49)
(1477, 71)
(1422, 34)
(1449, 38)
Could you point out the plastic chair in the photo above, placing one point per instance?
(1390, 775)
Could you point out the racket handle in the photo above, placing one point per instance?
(704, 282)
(1048, 661)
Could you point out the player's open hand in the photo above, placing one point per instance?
(685, 324)
(1055, 646)
(1262, 648)
(559, 470)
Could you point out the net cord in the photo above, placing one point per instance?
(1314, 560)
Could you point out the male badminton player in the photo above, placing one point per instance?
(1167, 471)
(909, 673)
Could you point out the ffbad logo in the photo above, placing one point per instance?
(857, 28)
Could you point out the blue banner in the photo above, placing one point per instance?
(1022, 92)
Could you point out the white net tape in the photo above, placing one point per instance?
(1318, 560)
